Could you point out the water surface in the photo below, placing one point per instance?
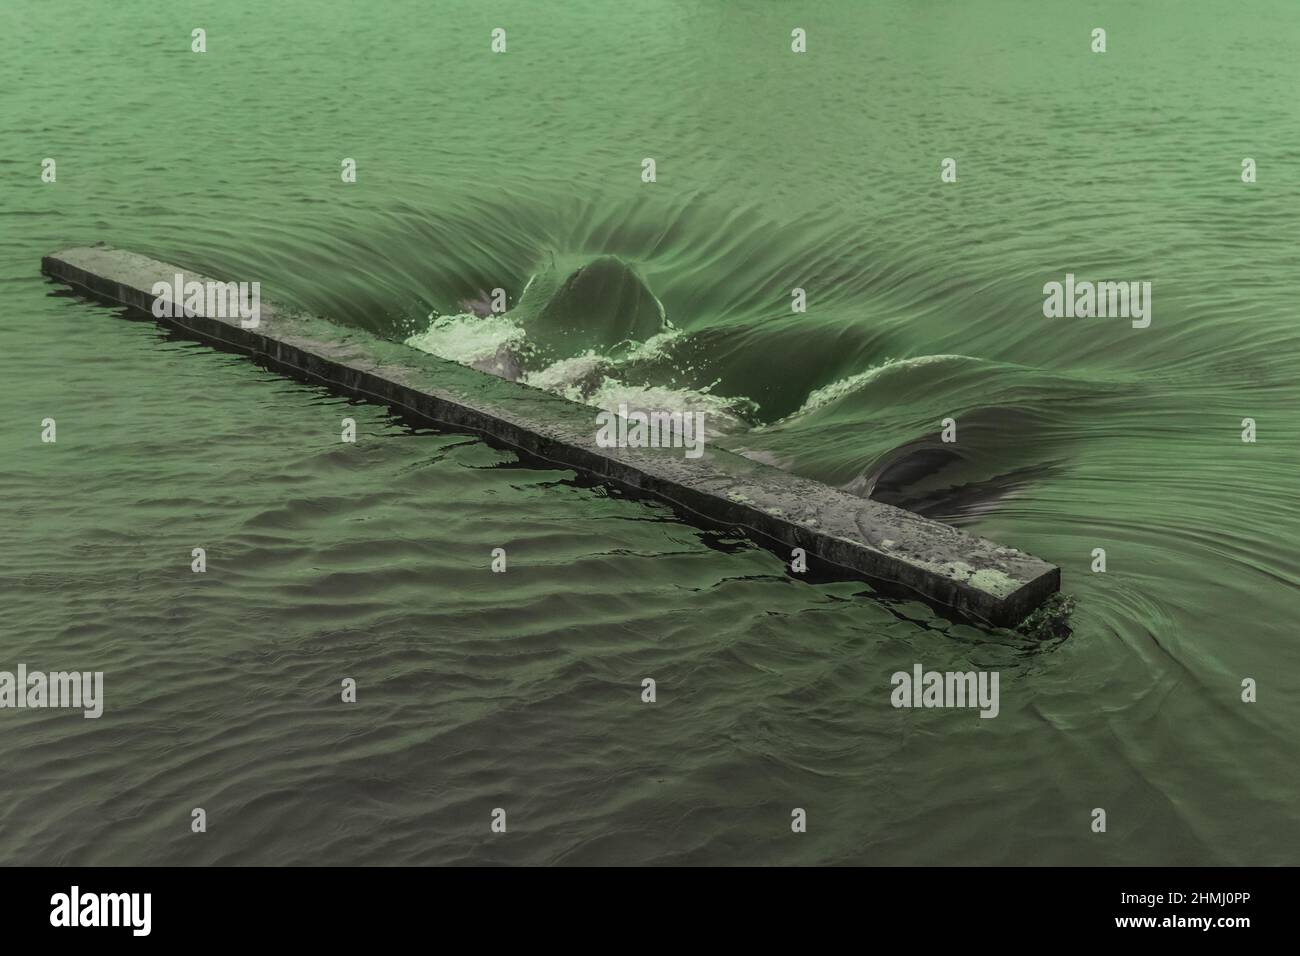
(821, 171)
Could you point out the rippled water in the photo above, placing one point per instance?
(371, 561)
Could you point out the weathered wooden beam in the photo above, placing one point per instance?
(973, 577)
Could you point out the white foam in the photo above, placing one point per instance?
(469, 339)
(653, 347)
(570, 377)
(497, 345)
(845, 386)
(721, 415)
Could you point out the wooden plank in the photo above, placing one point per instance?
(973, 577)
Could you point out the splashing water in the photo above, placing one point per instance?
(499, 344)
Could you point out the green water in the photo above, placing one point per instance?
(774, 170)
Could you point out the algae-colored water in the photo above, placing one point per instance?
(774, 170)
